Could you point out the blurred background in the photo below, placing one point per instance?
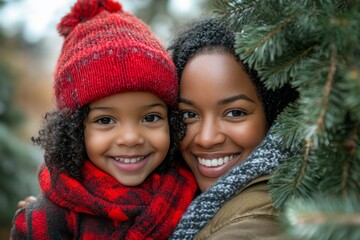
(29, 46)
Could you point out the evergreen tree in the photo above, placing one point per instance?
(315, 46)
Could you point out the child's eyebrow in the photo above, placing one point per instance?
(145, 106)
(100, 108)
(155, 105)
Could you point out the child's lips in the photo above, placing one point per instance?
(129, 159)
(131, 163)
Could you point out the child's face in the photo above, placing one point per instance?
(224, 116)
(127, 135)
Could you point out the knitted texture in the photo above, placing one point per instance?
(262, 161)
(99, 207)
(108, 51)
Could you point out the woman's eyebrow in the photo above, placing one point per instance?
(223, 101)
(235, 98)
(186, 101)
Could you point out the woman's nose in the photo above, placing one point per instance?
(209, 134)
(129, 135)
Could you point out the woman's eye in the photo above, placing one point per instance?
(187, 115)
(151, 118)
(235, 113)
(105, 120)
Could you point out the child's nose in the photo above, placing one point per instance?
(129, 135)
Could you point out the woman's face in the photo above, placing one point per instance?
(224, 116)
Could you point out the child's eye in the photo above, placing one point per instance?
(151, 118)
(235, 113)
(105, 120)
(188, 115)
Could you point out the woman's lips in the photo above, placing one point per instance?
(214, 162)
(214, 167)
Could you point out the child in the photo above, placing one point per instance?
(108, 170)
(227, 145)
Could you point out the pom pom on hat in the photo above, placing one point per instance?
(84, 10)
(108, 51)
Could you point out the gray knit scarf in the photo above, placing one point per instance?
(262, 161)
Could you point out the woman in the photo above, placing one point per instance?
(228, 112)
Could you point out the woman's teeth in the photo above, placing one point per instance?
(215, 162)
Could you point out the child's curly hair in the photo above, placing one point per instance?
(210, 35)
(62, 138)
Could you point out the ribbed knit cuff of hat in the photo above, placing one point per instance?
(262, 161)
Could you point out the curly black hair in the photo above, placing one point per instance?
(62, 138)
(211, 35)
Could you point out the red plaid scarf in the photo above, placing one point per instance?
(98, 207)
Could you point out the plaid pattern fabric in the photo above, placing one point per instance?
(99, 207)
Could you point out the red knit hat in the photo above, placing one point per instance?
(108, 51)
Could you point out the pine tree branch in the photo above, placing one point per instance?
(302, 170)
(345, 177)
(350, 145)
(323, 218)
(327, 89)
(280, 71)
(236, 12)
(278, 28)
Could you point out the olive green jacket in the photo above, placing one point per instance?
(249, 215)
